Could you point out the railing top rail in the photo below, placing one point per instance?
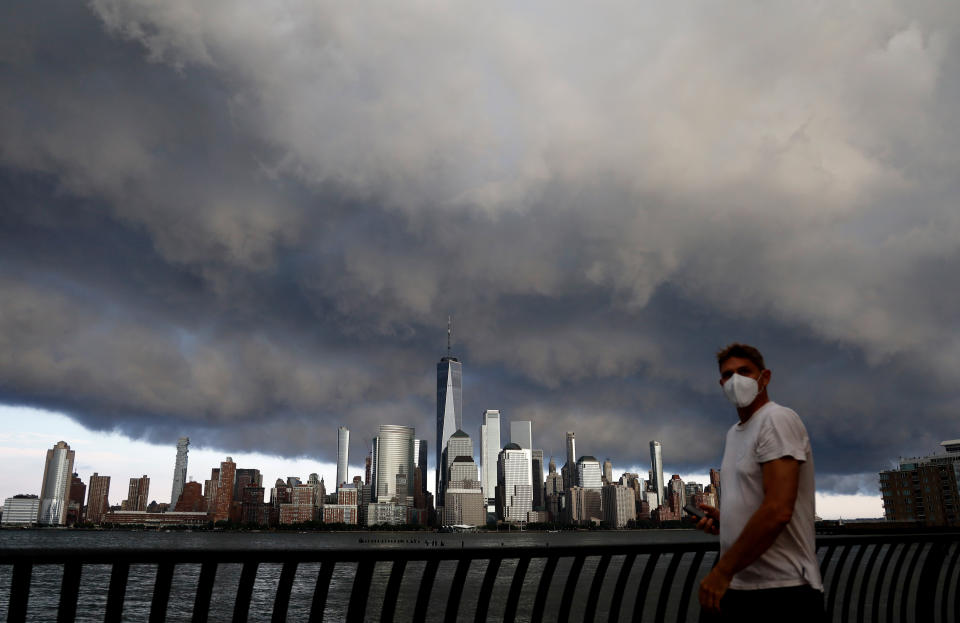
(451, 551)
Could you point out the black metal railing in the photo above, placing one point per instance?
(866, 578)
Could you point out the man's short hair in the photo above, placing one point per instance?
(741, 351)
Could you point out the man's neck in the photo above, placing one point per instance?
(745, 413)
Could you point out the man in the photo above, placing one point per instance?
(768, 566)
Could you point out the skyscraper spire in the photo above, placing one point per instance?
(449, 333)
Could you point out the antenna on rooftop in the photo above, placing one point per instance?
(449, 333)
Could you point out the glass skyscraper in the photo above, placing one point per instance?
(56, 485)
(343, 455)
(449, 412)
(420, 460)
(489, 452)
(515, 494)
(656, 470)
(179, 470)
(589, 474)
(393, 464)
(521, 433)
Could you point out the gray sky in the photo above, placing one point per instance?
(247, 222)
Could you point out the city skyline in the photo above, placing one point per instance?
(152, 459)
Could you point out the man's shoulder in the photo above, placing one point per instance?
(775, 411)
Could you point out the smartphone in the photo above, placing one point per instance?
(699, 514)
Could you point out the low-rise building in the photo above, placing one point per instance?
(386, 513)
(340, 513)
(21, 510)
(137, 518)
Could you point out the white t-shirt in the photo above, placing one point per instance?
(771, 433)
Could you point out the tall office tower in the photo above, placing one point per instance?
(138, 493)
(554, 484)
(536, 474)
(224, 490)
(179, 470)
(293, 481)
(676, 495)
(458, 445)
(607, 472)
(489, 452)
(619, 506)
(78, 492)
(393, 466)
(464, 470)
(589, 474)
(55, 490)
(420, 460)
(465, 505)
(521, 433)
(343, 455)
(245, 477)
(715, 481)
(656, 471)
(210, 488)
(98, 503)
(449, 408)
(191, 499)
(570, 468)
(367, 464)
(514, 484)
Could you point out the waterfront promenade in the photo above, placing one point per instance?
(537, 577)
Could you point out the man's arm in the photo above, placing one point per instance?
(781, 478)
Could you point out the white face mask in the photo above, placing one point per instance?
(741, 390)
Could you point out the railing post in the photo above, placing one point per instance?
(929, 580)
(69, 591)
(117, 592)
(19, 591)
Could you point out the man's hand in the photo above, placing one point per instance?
(709, 523)
(712, 589)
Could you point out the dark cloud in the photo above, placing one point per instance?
(249, 224)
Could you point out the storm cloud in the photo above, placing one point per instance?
(248, 222)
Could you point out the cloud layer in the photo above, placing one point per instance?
(249, 222)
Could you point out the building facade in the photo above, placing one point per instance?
(656, 471)
(589, 474)
(138, 494)
(420, 461)
(521, 433)
(179, 470)
(536, 474)
(98, 503)
(393, 467)
(489, 455)
(514, 484)
(223, 497)
(55, 489)
(924, 489)
(569, 470)
(343, 455)
(21, 510)
(619, 506)
(449, 412)
(465, 505)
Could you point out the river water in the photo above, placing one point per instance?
(45, 583)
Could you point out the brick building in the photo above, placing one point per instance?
(924, 489)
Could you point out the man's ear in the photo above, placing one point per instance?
(765, 377)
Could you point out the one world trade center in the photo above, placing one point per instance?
(449, 410)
